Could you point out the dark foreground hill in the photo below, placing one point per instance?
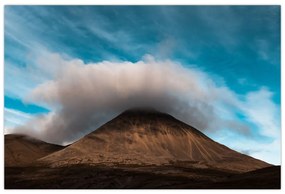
(21, 150)
(143, 149)
(147, 177)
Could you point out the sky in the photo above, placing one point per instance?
(70, 69)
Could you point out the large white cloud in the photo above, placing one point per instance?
(84, 96)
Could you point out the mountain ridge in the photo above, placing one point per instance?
(148, 137)
(22, 150)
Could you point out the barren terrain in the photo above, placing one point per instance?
(137, 149)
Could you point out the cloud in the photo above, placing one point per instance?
(85, 96)
(14, 118)
(267, 149)
(263, 112)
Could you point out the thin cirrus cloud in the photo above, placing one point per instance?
(14, 118)
(84, 96)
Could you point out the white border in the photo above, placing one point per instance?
(142, 2)
(137, 2)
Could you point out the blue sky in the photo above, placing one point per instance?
(237, 46)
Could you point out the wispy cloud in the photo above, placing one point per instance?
(263, 112)
(13, 118)
(266, 149)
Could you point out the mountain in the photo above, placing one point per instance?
(22, 150)
(138, 149)
(147, 137)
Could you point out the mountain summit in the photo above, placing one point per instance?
(148, 137)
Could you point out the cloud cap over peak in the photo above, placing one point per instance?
(84, 96)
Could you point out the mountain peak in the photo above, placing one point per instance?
(144, 113)
(147, 121)
(148, 137)
(141, 110)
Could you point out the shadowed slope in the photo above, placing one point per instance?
(143, 137)
(22, 150)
